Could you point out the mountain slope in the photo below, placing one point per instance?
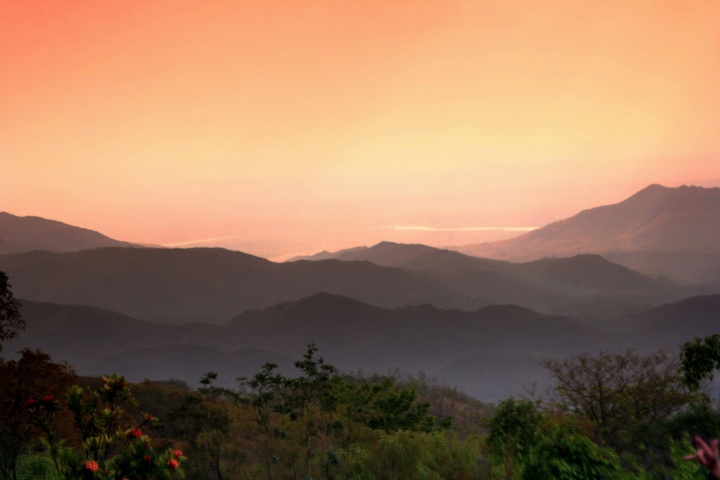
(683, 320)
(25, 234)
(488, 353)
(203, 283)
(657, 220)
(350, 334)
(547, 284)
(82, 334)
(188, 363)
(212, 283)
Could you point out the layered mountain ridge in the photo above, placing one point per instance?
(482, 324)
(490, 352)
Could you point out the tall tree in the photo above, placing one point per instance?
(699, 359)
(32, 379)
(617, 390)
(11, 321)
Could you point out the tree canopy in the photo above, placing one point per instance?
(11, 321)
(699, 359)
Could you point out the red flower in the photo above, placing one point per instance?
(48, 398)
(30, 402)
(135, 433)
(147, 458)
(173, 464)
(148, 417)
(177, 453)
(91, 465)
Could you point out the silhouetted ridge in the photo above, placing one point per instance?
(659, 230)
(25, 234)
(460, 347)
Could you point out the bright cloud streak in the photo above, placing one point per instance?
(421, 228)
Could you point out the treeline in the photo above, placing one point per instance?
(613, 415)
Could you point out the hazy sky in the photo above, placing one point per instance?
(282, 126)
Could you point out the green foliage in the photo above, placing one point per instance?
(26, 382)
(563, 452)
(11, 321)
(526, 443)
(677, 468)
(110, 446)
(408, 455)
(699, 359)
(36, 467)
(202, 422)
(650, 444)
(617, 390)
(514, 434)
(322, 425)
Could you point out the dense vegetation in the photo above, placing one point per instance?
(615, 415)
(619, 415)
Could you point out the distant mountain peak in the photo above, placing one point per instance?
(25, 234)
(657, 218)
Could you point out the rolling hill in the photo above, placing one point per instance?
(213, 284)
(586, 285)
(489, 353)
(207, 283)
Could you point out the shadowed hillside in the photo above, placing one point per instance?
(208, 283)
(699, 315)
(216, 284)
(489, 353)
(582, 283)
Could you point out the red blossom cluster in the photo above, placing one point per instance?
(47, 401)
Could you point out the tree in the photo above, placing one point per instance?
(699, 359)
(534, 444)
(111, 443)
(308, 390)
(31, 378)
(514, 431)
(617, 390)
(311, 425)
(202, 422)
(563, 452)
(11, 320)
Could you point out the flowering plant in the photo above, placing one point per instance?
(110, 448)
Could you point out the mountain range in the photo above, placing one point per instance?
(659, 231)
(215, 284)
(644, 273)
(674, 232)
(490, 352)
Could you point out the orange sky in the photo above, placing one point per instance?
(302, 125)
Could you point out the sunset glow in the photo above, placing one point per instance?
(296, 126)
